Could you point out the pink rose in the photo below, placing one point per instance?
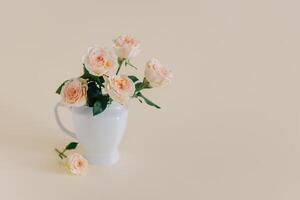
(120, 88)
(126, 47)
(99, 61)
(74, 92)
(156, 74)
(76, 164)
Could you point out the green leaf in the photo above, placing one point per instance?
(96, 99)
(147, 101)
(71, 146)
(110, 100)
(97, 108)
(86, 75)
(139, 86)
(85, 71)
(133, 78)
(58, 91)
(96, 79)
(93, 93)
(104, 101)
(142, 85)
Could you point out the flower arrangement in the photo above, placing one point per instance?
(101, 82)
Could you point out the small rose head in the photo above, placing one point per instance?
(99, 61)
(120, 88)
(74, 92)
(126, 47)
(156, 74)
(77, 164)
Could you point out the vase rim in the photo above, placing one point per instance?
(113, 106)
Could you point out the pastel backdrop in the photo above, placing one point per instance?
(229, 123)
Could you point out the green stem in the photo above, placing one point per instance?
(60, 153)
(120, 62)
(146, 100)
(118, 69)
(131, 65)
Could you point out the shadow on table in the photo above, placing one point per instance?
(31, 148)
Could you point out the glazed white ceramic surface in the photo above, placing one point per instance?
(98, 135)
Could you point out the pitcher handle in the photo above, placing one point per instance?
(60, 124)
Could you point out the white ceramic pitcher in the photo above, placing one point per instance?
(98, 135)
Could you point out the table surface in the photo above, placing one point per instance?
(229, 127)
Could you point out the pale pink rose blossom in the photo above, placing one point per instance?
(120, 88)
(126, 47)
(74, 92)
(77, 164)
(156, 74)
(99, 61)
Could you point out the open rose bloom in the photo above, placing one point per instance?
(102, 83)
(99, 61)
(74, 92)
(120, 88)
(77, 164)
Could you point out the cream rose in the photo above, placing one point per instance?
(99, 61)
(74, 92)
(120, 88)
(126, 47)
(77, 164)
(156, 74)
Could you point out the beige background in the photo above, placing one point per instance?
(229, 127)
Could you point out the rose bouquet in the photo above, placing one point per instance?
(102, 82)
(98, 87)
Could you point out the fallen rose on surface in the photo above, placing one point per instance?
(74, 162)
(77, 164)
